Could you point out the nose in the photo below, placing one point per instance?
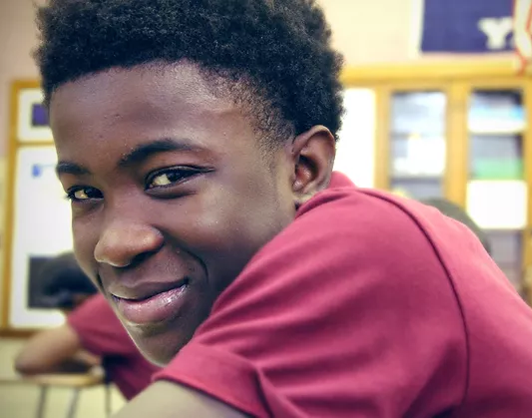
(122, 243)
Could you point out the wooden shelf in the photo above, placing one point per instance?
(494, 132)
(421, 135)
(423, 177)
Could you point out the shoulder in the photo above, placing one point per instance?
(94, 307)
(357, 247)
(346, 208)
(95, 321)
(357, 227)
(100, 330)
(370, 224)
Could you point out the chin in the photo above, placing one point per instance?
(158, 347)
(159, 357)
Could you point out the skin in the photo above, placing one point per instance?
(169, 182)
(56, 350)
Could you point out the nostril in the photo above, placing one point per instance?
(139, 258)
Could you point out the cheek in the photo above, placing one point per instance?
(226, 228)
(223, 216)
(85, 237)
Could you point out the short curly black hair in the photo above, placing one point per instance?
(279, 49)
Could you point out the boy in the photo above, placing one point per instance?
(196, 141)
(91, 336)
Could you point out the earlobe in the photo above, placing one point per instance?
(313, 155)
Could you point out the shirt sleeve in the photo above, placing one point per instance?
(99, 329)
(341, 315)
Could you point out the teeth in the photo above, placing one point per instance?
(184, 284)
(159, 293)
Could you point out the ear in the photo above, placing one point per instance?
(313, 156)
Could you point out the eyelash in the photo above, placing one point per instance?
(182, 172)
(71, 193)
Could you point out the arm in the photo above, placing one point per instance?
(168, 400)
(53, 350)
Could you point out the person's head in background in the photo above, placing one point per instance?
(455, 212)
(63, 283)
(188, 133)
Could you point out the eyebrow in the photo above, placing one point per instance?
(137, 154)
(143, 151)
(67, 167)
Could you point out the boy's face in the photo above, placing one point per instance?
(172, 194)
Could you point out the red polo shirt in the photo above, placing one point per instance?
(367, 305)
(102, 334)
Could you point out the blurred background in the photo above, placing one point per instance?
(439, 104)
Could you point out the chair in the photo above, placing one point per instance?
(76, 382)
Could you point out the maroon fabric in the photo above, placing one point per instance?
(367, 305)
(102, 334)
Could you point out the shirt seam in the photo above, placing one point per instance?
(450, 278)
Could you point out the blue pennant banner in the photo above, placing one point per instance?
(467, 26)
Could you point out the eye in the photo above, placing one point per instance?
(170, 177)
(81, 194)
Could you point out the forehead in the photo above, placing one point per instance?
(145, 100)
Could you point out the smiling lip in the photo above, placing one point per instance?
(156, 308)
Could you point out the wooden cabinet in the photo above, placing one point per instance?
(461, 131)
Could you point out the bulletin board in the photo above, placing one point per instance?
(37, 219)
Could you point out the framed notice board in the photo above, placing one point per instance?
(37, 220)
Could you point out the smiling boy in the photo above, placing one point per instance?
(196, 141)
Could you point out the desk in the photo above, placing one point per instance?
(77, 382)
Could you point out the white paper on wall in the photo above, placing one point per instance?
(498, 204)
(355, 151)
(42, 227)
